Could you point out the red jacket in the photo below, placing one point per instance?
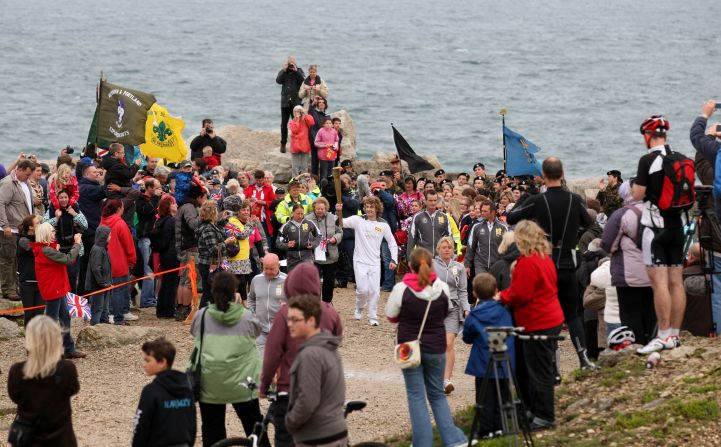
(299, 139)
(533, 294)
(121, 247)
(51, 269)
(265, 194)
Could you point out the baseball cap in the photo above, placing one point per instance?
(184, 164)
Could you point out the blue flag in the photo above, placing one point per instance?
(520, 158)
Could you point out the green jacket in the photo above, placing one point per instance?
(229, 355)
(285, 208)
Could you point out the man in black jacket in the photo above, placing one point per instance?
(92, 194)
(561, 214)
(207, 137)
(119, 179)
(290, 78)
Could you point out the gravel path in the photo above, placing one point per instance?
(111, 380)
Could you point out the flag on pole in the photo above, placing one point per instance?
(163, 135)
(520, 158)
(78, 306)
(416, 163)
(121, 115)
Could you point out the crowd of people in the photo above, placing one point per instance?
(471, 251)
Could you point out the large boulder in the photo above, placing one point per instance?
(112, 336)
(8, 329)
(585, 187)
(10, 305)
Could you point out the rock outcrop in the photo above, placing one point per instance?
(10, 305)
(8, 329)
(111, 336)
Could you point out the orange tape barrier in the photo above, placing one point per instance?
(191, 274)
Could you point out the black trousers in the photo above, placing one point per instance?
(83, 264)
(327, 273)
(490, 417)
(30, 296)
(206, 298)
(345, 272)
(279, 409)
(212, 417)
(314, 160)
(539, 357)
(168, 289)
(285, 114)
(569, 297)
(635, 306)
(243, 284)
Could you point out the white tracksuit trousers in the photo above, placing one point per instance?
(368, 288)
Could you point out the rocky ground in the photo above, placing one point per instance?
(111, 380)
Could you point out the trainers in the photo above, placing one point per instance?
(111, 319)
(358, 314)
(373, 322)
(541, 424)
(448, 387)
(658, 344)
(130, 317)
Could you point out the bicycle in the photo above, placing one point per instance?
(260, 428)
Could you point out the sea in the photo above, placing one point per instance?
(577, 77)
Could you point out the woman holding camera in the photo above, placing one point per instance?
(533, 296)
(312, 87)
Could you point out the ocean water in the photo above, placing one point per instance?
(577, 77)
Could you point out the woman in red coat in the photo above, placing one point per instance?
(121, 250)
(299, 140)
(533, 296)
(51, 271)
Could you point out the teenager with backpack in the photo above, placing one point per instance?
(665, 184)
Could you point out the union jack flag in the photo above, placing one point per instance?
(232, 230)
(102, 152)
(78, 306)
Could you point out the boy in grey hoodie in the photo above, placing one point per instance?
(99, 276)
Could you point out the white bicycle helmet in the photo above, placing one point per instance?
(621, 337)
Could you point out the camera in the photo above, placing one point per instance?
(703, 194)
(69, 150)
(208, 130)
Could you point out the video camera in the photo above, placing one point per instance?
(497, 336)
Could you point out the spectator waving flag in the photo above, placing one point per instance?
(520, 158)
(232, 230)
(78, 306)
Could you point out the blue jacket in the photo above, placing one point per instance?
(486, 313)
(707, 146)
(90, 203)
(389, 208)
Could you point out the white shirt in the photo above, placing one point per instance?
(369, 235)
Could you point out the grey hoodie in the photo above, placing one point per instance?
(317, 391)
(453, 274)
(99, 273)
(265, 297)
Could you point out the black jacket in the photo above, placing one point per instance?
(162, 241)
(99, 274)
(199, 142)
(501, 269)
(26, 258)
(90, 202)
(291, 82)
(166, 412)
(118, 173)
(145, 209)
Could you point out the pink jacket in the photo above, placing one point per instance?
(324, 138)
(299, 140)
(72, 189)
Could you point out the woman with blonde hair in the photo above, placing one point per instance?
(42, 385)
(422, 293)
(501, 269)
(312, 87)
(64, 180)
(211, 245)
(533, 297)
(452, 273)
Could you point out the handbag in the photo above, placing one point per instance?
(408, 355)
(21, 433)
(195, 370)
(220, 267)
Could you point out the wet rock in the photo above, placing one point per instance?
(111, 336)
(8, 329)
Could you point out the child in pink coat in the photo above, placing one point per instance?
(326, 142)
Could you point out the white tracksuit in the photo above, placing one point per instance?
(369, 235)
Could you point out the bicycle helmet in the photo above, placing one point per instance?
(656, 125)
(621, 337)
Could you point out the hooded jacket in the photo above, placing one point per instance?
(100, 274)
(51, 269)
(280, 349)
(317, 392)
(166, 412)
(300, 134)
(265, 297)
(501, 269)
(454, 275)
(620, 237)
(121, 247)
(407, 305)
(486, 313)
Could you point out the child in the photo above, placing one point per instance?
(326, 142)
(211, 159)
(487, 312)
(166, 411)
(337, 125)
(99, 276)
(64, 180)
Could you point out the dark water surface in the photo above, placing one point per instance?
(577, 77)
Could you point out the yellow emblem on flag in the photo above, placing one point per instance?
(163, 135)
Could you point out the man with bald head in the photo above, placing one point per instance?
(266, 295)
(561, 214)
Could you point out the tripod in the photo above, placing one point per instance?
(508, 406)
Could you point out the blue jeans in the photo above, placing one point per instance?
(427, 381)
(389, 276)
(119, 299)
(147, 292)
(58, 311)
(716, 294)
(99, 309)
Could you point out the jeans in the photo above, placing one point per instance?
(99, 308)
(427, 381)
(73, 270)
(279, 408)
(147, 292)
(299, 163)
(389, 276)
(716, 293)
(119, 299)
(212, 417)
(58, 311)
(30, 296)
(326, 168)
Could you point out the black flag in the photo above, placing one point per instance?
(416, 163)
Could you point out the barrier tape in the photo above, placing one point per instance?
(192, 275)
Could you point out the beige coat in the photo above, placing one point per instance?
(308, 93)
(13, 205)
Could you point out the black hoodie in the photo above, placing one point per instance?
(166, 412)
(501, 269)
(99, 274)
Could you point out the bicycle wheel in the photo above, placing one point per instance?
(234, 441)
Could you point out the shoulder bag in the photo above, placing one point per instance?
(195, 369)
(408, 354)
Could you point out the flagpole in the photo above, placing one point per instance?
(503, 113)
(399, 159)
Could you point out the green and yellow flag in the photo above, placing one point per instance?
(121, 114)
(163, 135)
